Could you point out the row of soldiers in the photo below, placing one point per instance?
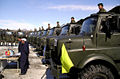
(101, 9)
(58, 25)
(9, 37)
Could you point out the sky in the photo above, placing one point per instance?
(30, 14)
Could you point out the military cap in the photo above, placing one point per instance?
(72, 17)
(100, 4)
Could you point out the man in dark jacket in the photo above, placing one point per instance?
(24, 49)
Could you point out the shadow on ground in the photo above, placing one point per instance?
(11, 65)
(49, 75)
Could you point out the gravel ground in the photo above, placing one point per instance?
(35, 71)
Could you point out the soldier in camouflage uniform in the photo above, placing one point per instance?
(101, 9)
(39, 29)
(3, 37)
(58, 25)
(48, 26)
(72, 20)
(0, 36)
(48, 29)
(42, 28)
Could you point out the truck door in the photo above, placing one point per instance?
(109, 33)
(110, 45)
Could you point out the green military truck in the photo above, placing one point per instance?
(40, 33)
(30, 37)
(44, 34)
(69, 29)
(94, 53)
(55, 31)
(35, 38)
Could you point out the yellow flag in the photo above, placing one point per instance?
(65, 60)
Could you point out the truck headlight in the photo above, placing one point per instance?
(55, 42)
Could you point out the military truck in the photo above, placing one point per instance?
(55, 31)
(44, 34)
(94, 53)
(34, 38)
(29, 37)
(68, 29)
(40, 33)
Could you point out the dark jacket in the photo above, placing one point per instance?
(24, 49)
(19, 47)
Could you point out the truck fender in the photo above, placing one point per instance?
(93, 57)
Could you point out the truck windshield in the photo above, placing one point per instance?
(64, 30)
(30, 34)
(44, 33)
(51, 32)
(20, 33)
(88, 26)
(9, 33)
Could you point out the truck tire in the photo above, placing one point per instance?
(96, 72)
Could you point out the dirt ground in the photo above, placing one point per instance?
(35, 71)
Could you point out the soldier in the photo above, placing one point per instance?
(0, 36)
(39, 28)
(58, 25)
(42, 28)
(48, 26)
(35, 29)
(101, 9)
(72, 20)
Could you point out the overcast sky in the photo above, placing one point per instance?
(30, 14)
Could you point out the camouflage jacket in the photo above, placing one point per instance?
(102, 10)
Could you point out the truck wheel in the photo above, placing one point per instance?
(96, 72)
